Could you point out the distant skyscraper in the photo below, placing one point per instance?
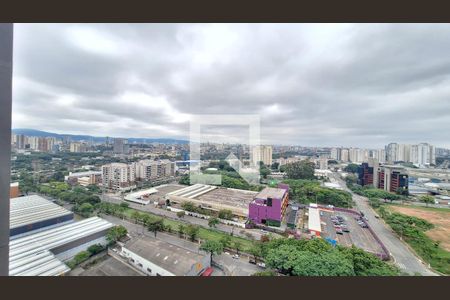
(344, 155)
(120, 146)
(391, 152)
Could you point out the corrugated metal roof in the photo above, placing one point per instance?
(31, 209)
(31, 255)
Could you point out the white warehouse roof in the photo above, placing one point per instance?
(141, 196)
(31, 255)
(32, 209)
(314, 219)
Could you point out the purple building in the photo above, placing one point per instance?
(269, 205)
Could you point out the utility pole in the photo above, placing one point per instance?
(6, 51)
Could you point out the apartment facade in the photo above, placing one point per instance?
(150, 169)
(118, 176)
(262, 153)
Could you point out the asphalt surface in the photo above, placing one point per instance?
(403, 257)
(233, 267)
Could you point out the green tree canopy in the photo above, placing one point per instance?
(300, 170)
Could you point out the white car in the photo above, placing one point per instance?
(261, 264)
(235, 256)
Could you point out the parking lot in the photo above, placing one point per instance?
(357, 235)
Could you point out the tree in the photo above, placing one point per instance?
(226, 214)
(427, 199)
(192, 231)
(124, 204)
(225, 241)
(136, 216)
(212, 247)
(265, 273)
(116, 233)
(256, 251)
(212, 222)
(180, 214)
(181, 230)
(86, 209)
(58, 176)
(318, 258)
(351, 168)
(96, 248)
(238, 246)
(189, 206)
(303, 169)
(155, 226)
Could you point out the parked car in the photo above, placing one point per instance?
(235, 256)
(339, 231)
(261, 264)
(345, 229)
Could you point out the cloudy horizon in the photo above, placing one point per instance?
(361, 85)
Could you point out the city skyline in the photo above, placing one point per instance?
(312, 84)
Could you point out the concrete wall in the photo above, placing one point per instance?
(6, 47)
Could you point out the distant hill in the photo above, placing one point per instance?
(99, 139)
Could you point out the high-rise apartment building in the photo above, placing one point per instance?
(262, 153)
(345, 155)
(391, 152)
(77, 147)
(150, 169)
(422, 154)
(118, 176)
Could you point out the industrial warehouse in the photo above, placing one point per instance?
(32, 213)
(152, 195)
(215, 198)
(43, 253)
(159, 258)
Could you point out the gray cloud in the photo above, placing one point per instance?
(312, 84)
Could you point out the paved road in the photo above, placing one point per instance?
(189, 219)
(403, 256)
(234, 267)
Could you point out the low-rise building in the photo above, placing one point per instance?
(269, 205)
(314, 222)
(84, 178)
(159, 258)
(14, 191)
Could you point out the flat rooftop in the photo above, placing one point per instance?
(314, 222)
(172, 258)
(29, 210)
(270, 192)
(229, 197)
(111, 267)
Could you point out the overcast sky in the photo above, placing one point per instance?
(312, 84)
